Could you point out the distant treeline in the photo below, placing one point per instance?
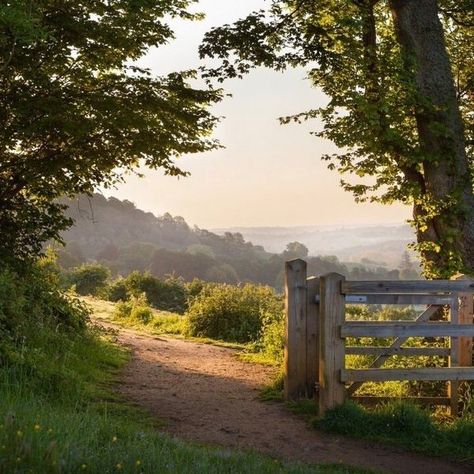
(124, 238)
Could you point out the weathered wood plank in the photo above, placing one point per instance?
(398, 299)
(331, 361)
(407, 286)
(466, 316)
(405, 329)
(371, 401)
(383, 375)
(425, 316)
(295, 341)
(312, 336)
(453, 386)
(399, 351)
(461, 347)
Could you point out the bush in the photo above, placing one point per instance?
(272, 340)
(31, 298)
(143, 314)
(89, 279)
(167, 295)
(34, 312)
(115, 291)
(123, 309)
(195, 287)
(135, 309)
(233, 313)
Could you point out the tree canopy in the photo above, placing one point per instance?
(399, 77)
(77, 111)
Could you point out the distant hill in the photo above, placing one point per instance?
(382, 244)
(100, 222)
(125, 238)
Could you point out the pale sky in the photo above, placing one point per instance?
(268, 174)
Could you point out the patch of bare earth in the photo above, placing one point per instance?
(205, 394)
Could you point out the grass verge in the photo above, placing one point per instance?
(164, 323)
(405, 425)
(59, 414)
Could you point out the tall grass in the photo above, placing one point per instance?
(58, 414)
(405, 425)
(58, 410)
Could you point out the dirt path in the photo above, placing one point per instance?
(205, 394)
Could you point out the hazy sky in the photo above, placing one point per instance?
(268, 174)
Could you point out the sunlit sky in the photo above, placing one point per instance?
(268, 174)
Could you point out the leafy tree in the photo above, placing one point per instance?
(77, 112)
(224, 273)
(198, 249)
(295, 250)
(394, 109)
(136, 256)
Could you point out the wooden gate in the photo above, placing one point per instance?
(316, 330)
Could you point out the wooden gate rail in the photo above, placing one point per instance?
(384, 375)
(396, 344)
(399, 351)
(407, 286)
(316, 330)
(405, 329)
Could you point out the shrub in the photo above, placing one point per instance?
(115, 291)
(272, 340)
(143, 314)
(135, 309)
(233, 313)
(89, 279)
(195, 287)
(32, 299)
(123, 309)
(169, 294)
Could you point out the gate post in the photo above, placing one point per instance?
(312, 336)
(466, 316)
(462, 312)
(296, 319)
(332, 392)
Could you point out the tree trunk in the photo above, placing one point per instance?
(445, 165)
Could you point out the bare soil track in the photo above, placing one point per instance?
(205, 394)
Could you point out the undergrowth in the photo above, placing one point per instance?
(405, 425)
(165, 323)
(59, 412)
(399, 424)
